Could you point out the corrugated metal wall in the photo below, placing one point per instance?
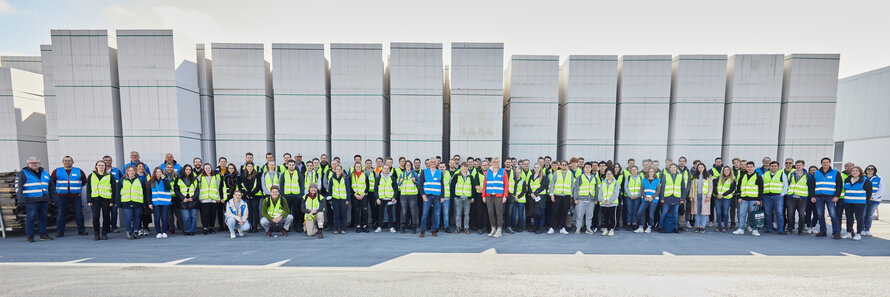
(476, 99)
(644, 89)
(809, 96)
(531, 106)
(698, 89)
(416, 99)
(588, 87)
(299, 75)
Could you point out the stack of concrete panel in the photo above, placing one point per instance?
(698, 89)
(644, 89)
(26, 63)
(87, 95)
(531, 106)
(359, 106)
(862, 120)
(22, 118)
(205, 90)
(54, 157)
(753, 105)
(588, 87)
(242, 100)
(301, 99)
(159, 97)
(476, 99)
(416, 99)
(809, 95)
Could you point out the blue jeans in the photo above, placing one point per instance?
(437, 205)
(821, 204)
(518, 214)
(189, 219)
(36, 210)
(722, 210)
(644, 206)
(75, 203)
(160, 212)
(542, 209)
(664, 210)
(744, 208)
(630, 210)
(870, 208)
(774, 203)
(446, 212)
(233, 224)
(132, 217)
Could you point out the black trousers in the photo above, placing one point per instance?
(221, 214)
(208, 215)
(294, 201)
(360, 211)
(560, 212)
(253, 212)
(609, 217)
(101, 208)
(799, 206)
(175, 216)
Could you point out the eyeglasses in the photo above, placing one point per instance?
(787, 163)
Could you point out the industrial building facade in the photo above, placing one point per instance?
(108, 93)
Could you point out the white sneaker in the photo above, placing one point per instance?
(846, 236)
(550, 231)
(241, 232)
(392, 229)
(755, 233)
(563, 231)
(159, 236)
(748, 228)
(493, 230)
(866, 233)
(612, 232)
(639, 230)
(857, 237)
(595, 229)
(577, 231)
(232, 235)
(588, 231)
(163, 235)
(497, 234)
(605, 232)
(688, 226)
(648, 229)
(378, 230)
(738, 232)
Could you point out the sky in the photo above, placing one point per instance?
(857, 30)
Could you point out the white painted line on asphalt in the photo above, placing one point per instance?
(666, 253)
(849, 255)
(278, 264)
(175, 262)
(753, 253)
(579, 253)
(78, 261)
(490, 251)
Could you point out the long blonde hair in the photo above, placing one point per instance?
(723, 177)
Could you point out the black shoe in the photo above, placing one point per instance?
(539, 230)
(482, 231)
(137, 236)
(404, 229)
(30, 238)
(518, 229)
(204, 231)
(104, 236)
(45, 237)
(366, 229)
(82, 233)
(115, 230)
(60, 234)
(800, 232)
(414, 230)
(284, 233)
(821, 234)
(358, 230)
(836, 236)
(211, 230)
(96, 236)
(510, 230)
(221, 229)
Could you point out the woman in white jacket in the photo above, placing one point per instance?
(236, 214)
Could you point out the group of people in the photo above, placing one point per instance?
(483, 195)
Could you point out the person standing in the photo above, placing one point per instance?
(829, 186)
(584, 191)
(446, 197)
(775, 185)
(252, 191)
(338, 185)
(725, 185)
(133, 194)
(560, 195)
(858, 190)
(116, 174)
(101, 193)
(462, 186)
(66, 184)
(188, 192)
(672, 194)
(32, 190)
(494, 195)
(432, 180)
(651, 191)
(633, 193)
(313, 210)
(540, 185)
(358, 182)
(292, 181)
(750, 194)
(271, 177)
(237, 213)
(800, 189)
(608, 197)
(700, 196)
(160, 201)
(508, 204)
(407, 183)
(209, 186)
(386, 201)
(175, 216)
(871, 172)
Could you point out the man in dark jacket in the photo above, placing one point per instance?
(65, 185)
(32, 189)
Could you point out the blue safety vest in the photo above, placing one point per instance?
(651, 188)
(855, 193)
(875, 186)
(68, 184)
(432, 182)
(35, 187)
(826, 183)
(160, 196)
(494, 182)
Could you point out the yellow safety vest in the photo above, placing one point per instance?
(722, 188)
(587, 186)
(311, 204)
(563, 183)
(672, 187)
(609, 191)
(131, 191)
(339, 188)
(358, 183)
(749, 186)
(210, 188)
(446, 180)
(275, 209)
(271, 179)
(772, 183)
(101, 187)
(291, 183)
(464, 186)
(385, 190)
(188, 191)
(407, 187)
(798, 187)
(634, 184)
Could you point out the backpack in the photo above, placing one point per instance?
(670, 223)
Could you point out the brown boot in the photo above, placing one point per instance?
(319, 234)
